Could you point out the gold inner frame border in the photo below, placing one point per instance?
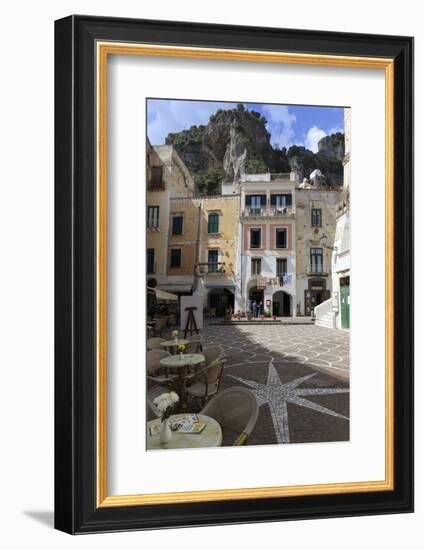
(103, 50)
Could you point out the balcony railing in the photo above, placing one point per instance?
(264, 212)
(156, 185)
(318, 269)
(205, 268)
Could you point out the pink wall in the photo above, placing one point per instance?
(268, 241)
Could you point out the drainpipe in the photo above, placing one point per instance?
(195, 273)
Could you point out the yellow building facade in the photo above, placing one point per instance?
(203, 244)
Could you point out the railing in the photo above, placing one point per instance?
(205, 268)
(251, 211)
(318, 269)
(156, 185)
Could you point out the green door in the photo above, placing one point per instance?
(344, 306)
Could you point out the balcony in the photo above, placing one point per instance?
(318, 270)
(156, 185)
(205, 268)
(251, 212)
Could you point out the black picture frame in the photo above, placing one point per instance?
(76, 509)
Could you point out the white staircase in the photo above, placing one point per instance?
(324, 316)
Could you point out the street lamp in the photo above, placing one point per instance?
(323, 240)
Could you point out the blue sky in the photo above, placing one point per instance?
(287, 124)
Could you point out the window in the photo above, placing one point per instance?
(177, 224)
(256, 266)
(255, 202)
(175, 260)
(316, 260)
(281, 266)
(156, 182)
(150, 260)
(281, 237)
(316, 218)
(153, 217)
(281, 201)
(212, 261)
(213, 223)
(255, 238)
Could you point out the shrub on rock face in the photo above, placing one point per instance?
(236, 141)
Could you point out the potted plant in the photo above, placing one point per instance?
(249, 315)
(165, 403)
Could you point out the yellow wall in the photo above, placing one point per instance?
(195, 243)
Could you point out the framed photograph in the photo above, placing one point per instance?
(234, 274)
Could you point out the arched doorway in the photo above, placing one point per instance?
(220, 299)
(281, 304)
(256, 295)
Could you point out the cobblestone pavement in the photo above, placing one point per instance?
(299, 374)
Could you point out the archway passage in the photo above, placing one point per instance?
(220, 299)
(256, 295)
(281, 304)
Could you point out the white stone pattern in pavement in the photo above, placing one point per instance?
(278, 395)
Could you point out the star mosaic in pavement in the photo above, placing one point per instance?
(278, 395)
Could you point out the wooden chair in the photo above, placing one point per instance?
(235, 409)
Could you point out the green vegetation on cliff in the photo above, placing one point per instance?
(236, 142)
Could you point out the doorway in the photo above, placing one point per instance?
(315, 295)
(281, 304)
(220, 300)
(345, 301)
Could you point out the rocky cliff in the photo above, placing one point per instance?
(236, 142)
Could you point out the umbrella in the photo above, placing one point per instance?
(163, 296)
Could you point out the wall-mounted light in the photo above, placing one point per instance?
(323, 241)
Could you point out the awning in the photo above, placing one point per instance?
(175, 288)
(163, 296)
(229, 286)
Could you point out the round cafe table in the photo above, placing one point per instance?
(211, 436)
(173, 344)
(182, 362)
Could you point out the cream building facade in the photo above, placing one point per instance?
(167, 177)
(315, 218)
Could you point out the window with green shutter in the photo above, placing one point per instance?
(213, 223)
(177, 224)
(175, 260)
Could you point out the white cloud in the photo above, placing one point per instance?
(313, 136)
(280, 124)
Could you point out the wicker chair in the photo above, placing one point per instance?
(154, 343)
(160, 325)
(151, 411)
(205, 383)
(213, 354)
(194, 345)
(158, 377)
(235, 409)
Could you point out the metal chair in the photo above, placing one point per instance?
(235, 409)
